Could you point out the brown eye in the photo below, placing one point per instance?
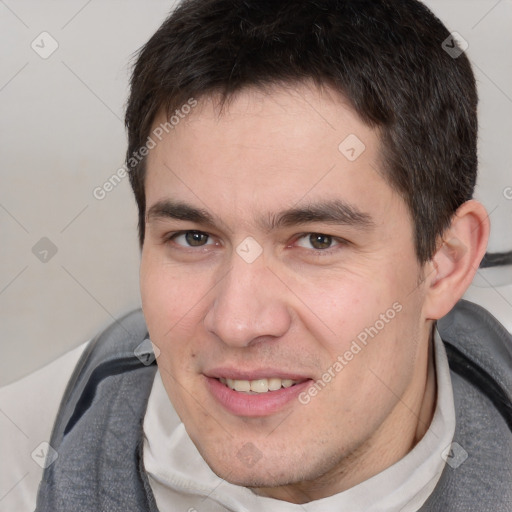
(317, 241)
(191, 238)
(196, 238)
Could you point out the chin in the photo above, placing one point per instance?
(257, 479)
(248, 469)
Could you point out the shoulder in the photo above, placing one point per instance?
(27, 412)
(480, 350)
(478, 464)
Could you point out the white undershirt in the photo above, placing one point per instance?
(180, 477)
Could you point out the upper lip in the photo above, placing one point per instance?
(253, 374)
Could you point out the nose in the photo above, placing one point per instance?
(249, 306)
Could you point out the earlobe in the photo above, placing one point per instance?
(457, 258)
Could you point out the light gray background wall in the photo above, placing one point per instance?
(62, 135)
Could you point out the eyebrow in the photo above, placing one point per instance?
(167, 209)
(330, 212)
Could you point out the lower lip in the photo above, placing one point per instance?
(254, 405)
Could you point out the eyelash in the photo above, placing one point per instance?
(317, 252)
(338, 243)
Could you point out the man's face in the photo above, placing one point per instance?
(298, 249)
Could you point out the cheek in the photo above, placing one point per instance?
(343, 306)
(369, 319)
(171, 296)
(171, 301)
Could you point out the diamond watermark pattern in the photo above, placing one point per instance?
(44, 455)
(352, 147)
(455, 45)
(454, 249)
(249, 249)
(44, 250)
(44, 45)
(454, 455)
(249, 454)
(147, 352)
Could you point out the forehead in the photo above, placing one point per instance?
(266, 150)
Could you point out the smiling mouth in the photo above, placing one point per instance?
(258, 386)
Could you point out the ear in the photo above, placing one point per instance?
(453, 266)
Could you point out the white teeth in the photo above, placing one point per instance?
(274, 384)
(258, 385)
(242, 385)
